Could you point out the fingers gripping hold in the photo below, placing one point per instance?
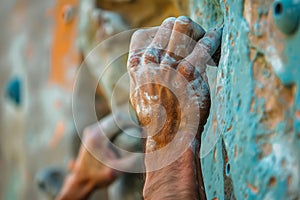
(184, 36)
(140, 40)
(160, 42)
(162, 36)
(205, 49)
(180, 47)
(186, 70)
(174, 40)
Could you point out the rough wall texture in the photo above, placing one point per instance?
(255, 114)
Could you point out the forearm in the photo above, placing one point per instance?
(175, 181)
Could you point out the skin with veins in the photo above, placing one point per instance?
(176, 51)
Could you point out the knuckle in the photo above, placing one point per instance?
(184, 19)
(169, 60)
(133, 61)
(137, 35)
(207, 44)
(169, 22)
(187, 70)
(183, 24)
(150, 56)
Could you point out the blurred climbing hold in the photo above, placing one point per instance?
(50, 180)
(69, 13)
(286, 15)
(13, 91)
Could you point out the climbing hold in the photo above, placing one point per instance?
(50, 180)
(286, 15)
(69, 13)
(227, 169)
(13, 90)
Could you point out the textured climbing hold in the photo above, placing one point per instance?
(286, 15)
(13, 90)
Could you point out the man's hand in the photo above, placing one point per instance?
(167, 66)
(170, 94)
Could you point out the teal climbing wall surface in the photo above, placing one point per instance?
(252, 139)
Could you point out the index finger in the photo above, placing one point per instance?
(205, 49)
(140, 40)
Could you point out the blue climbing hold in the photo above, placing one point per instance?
(13, 91)
(286, 15)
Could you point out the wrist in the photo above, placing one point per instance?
(180, 174)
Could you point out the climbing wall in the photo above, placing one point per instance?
(250, 147)
(252, 140)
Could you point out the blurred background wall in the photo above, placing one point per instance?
(36, 76)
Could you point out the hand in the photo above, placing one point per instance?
(170, 94)
(169, 88)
